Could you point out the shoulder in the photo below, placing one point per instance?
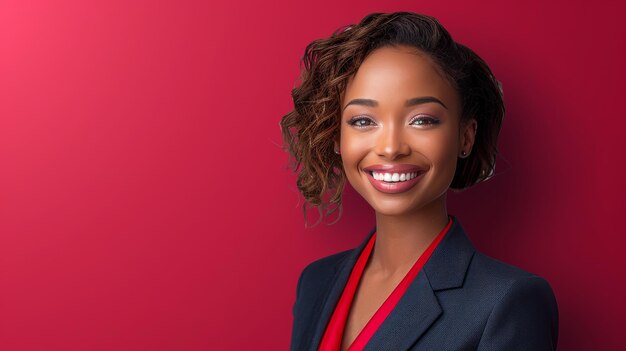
(523, 309)
(494, 271)
(315, 279)
(321, 270)
(503, 282)
(500, 277)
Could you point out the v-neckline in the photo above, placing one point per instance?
(332, 338)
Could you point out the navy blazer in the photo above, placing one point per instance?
(460, 300)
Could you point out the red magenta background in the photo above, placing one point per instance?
(145, 203)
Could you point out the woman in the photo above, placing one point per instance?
(403, 112)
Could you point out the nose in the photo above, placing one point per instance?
(391, 142)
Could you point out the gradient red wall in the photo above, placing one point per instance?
(145, 203)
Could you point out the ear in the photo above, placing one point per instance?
(467, 136)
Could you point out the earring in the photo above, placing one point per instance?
(463, 154)
(337, 151)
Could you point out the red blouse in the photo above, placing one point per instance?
(331, 341)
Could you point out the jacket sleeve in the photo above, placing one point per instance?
(526, 318)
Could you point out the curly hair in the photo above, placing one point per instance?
(311, 128)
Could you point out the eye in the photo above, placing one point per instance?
(423, 120)
(360, 122)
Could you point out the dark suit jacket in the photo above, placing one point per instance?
(460, 300)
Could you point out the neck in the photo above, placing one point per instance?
(401, 239)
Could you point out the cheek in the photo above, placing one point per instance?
(354, 147)
(439, 149)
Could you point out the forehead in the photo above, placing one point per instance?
(393, 74)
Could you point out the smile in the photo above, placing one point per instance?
(393, 177)
(392, 183)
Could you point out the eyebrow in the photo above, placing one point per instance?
(410, 102)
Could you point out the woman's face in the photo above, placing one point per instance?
(400, 119)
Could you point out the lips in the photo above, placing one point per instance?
(394, 186)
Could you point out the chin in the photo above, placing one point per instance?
(393, 207)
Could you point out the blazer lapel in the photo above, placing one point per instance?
(342, 273)
(419, 307)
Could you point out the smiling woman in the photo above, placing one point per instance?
(404, 113)
(405, 129)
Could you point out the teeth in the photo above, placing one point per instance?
(394, 177)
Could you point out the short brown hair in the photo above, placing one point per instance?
(310, 129)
